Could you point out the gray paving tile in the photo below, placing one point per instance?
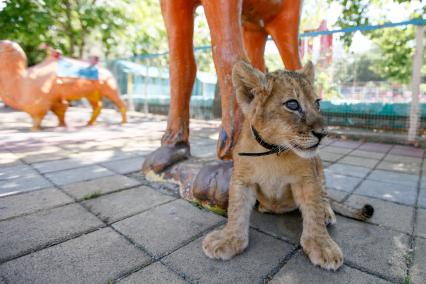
(359, 161)
(164, 228)
(336, 150)
(125, 166)
(98, 257)
(372, 247)
(336, 194)
(417, 271)
(404, 159)
(78, 174)
(369, 246)
(60, 165)
(153, 274)
(19, 204)
(100, 186)
(42, 157)
(329, 156)
(115, 206)
(409, 168)
(15, 172)
(388, 191)
(261, 256)
(383, 210)
(29, 183)
(299, 270)
(31, 232)
(367, 154)
(340, 182)
(8, 159)
(375, 147)
(408, 180)
(423, 180)
(348, 170)
(407, 151)
(346, 144)
(422, 198)
(421, 223)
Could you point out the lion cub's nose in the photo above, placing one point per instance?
(320, 134)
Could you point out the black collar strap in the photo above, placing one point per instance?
(273, 149)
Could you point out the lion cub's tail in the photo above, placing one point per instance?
(346, 210)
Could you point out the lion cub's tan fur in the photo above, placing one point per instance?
(283, 182)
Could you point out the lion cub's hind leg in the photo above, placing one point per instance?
(233, 238)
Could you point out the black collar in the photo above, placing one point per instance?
(273, 149)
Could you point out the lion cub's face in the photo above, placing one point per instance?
(282, 106)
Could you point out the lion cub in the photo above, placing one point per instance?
(282, 115)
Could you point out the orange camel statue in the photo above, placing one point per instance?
(38, 89)
(239, 30)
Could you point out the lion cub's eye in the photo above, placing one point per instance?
(317, 104)
(292, 105)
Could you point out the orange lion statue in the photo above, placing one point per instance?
(42, 87)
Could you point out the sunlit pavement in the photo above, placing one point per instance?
(74, 207)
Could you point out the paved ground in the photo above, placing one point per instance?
(75, 208)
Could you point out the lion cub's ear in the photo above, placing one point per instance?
(248, 82)
(309, 71)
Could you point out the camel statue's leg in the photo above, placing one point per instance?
(37, 119)
(284, 29)
(178, 16)
(111, 92)
(96, 103)
(227, 45)
(59, 108)
(254, 42)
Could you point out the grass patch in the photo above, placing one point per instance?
(91, 195)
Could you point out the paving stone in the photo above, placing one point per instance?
(368, 154)
(125, 166)
(409, 168)
(98, 257)
(336, 150)
(110, 208)
(340, 182)
(299, 270)
(336, 194)
(417, 271)
(421, 223)
(383, 210)
(20, 171)
(153, 274)
(407, 151)
(165, 228)
(36, 157)
(359, 161)
(19, 204)
(388, 191)
(423, 181)
(8, 159)
(375, 147)
(78, 174)
(17, 185)
(422, 198)
(408, 180)
(372, 247)
(24, 234)
(329, 156)
(405, 159)
(348, 170)
(262, 255)
(60, 165)
(346, 144)
(326, 164)
(369, 246)
(100, 186)
(287, 226)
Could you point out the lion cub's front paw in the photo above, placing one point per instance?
(329, 216)
(223, 245)
(323, 252)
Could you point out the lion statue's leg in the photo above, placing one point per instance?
(59, 108)
(233, 238)
(178, 16)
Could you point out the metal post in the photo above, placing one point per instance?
(145, 103)
(130, 103)
(415, 84)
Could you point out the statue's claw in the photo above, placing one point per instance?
(212, 184)
(165, 156)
